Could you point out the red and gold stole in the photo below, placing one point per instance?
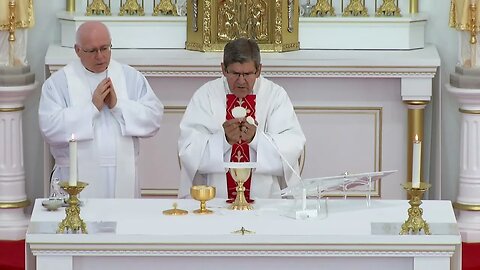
(240, 150)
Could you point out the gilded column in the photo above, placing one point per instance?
(413, 6)
(416, 109)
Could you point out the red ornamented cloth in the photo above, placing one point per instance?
(240, 150)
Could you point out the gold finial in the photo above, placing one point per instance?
(322, 8)
(356, 8)
(98, 7)
(131, 7)
(473, 23)
(165, 7)
(388, 9)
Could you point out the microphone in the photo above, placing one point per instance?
(251, 121)
(239, 113)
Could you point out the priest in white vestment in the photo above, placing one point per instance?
(208, 132)
(106, 106)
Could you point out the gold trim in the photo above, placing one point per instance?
(469, 111)
(466, 207)
(416, 102)
(10, 205)
(12, 109)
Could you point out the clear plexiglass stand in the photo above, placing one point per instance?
(317, 187)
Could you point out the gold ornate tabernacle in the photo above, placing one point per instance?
(272, 23)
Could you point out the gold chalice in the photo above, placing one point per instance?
(240, 175)
(203, 194)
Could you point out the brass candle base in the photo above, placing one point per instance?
(72, 221)
(240, 175)
(415, 222)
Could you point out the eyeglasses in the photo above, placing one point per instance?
(246, 75)
(102, 50)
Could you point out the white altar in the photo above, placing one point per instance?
(134, 234)
(337, 94)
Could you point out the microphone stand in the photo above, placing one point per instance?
(304, 213)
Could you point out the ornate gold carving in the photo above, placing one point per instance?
(72, 220)
(415, 222)
(453, 15)
(473, 23)
(11, 35)
(356, 8)
(278, 22)
(195, 15)
(290, 16)
(165, 7)
(388, 9)
(131, 7)
(11, 205)
(98, 7)
(323, 8)
(246, 18)
(24, 15)
(267, 21)
(206, 23)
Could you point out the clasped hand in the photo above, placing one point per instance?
(104, 94)
(237, 130)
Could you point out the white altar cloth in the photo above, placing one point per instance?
(138, 235)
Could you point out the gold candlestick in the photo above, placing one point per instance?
(415, 222)
(72, 221)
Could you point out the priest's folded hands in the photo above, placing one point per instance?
(238, 130)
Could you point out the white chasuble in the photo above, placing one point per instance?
(89, 160)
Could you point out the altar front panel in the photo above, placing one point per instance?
(133, 234)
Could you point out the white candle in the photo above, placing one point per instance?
(416, 162)
(72, 181)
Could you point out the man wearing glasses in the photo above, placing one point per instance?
(105, 107)
(212, 131)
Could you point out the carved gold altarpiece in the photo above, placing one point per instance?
(212, 23)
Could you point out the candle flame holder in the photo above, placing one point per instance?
(72, 221)
(415, 222)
